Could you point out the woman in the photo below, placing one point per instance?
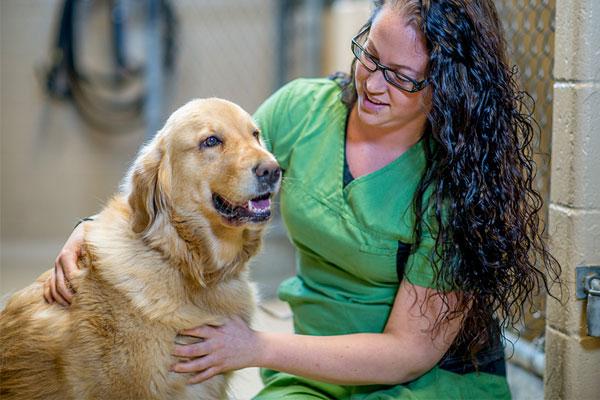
(408, 192)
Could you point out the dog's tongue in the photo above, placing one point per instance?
(260, 204)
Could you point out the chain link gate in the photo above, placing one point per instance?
(227, 49)
(529, 31)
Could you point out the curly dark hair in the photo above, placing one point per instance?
(477, 194)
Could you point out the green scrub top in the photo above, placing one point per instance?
(352, 241)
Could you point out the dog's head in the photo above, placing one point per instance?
(207, 165)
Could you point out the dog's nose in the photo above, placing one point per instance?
(267, 172)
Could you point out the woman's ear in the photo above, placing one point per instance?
(150, 183)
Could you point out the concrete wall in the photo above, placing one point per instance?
(572, 357)
(55, 169)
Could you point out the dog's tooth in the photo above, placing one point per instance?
(251, 206)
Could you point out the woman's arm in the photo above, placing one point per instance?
(404, 351)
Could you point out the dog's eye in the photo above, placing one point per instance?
(211, 141)
(256, 134)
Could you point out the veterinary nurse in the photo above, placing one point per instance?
(405, 193)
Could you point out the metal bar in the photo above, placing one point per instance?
(153, 106)
(524, 354)
(283, 39)
(312, 57)
(118, 17)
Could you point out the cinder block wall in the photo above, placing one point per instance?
(572, 357)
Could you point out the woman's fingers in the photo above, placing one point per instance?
(47, 292)
(195, 365)
(204, 375)
(62, 284)
(65, 269)
(55, 294)
(192, 350)
(58, 287)
(68, 262)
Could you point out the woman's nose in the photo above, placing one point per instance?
(376, 82)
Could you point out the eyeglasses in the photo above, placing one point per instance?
(372, 64)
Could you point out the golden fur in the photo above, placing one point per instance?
(158, 259)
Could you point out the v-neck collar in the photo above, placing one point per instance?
(348, 180)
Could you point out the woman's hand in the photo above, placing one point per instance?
(57, 287)
(228, 347)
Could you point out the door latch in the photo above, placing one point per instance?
(588, 286)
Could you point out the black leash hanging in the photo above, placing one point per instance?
(112, 102)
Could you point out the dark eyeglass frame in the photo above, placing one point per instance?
(417, 85)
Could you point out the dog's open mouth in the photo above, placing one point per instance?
(257, 209)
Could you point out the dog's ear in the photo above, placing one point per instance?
(149, 186)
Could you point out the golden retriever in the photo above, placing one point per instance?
(168, 253)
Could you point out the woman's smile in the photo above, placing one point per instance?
(371, 104)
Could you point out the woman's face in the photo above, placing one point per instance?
(401, 47)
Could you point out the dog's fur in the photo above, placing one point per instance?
(158, 259)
